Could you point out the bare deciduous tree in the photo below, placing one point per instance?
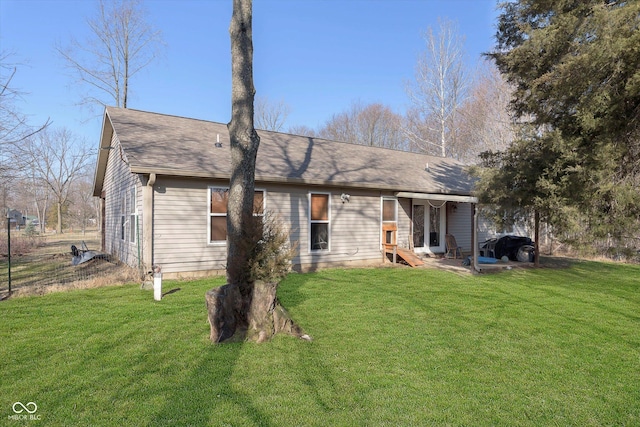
(13, 124)
(14, 127)
(82, 204)
(56, 159)
(39, 196)
(373, 125)
(302, 130)
(271, 115)
(486, 123)
(122, 43)
(438, 90)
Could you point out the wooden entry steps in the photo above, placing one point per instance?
(390, 245)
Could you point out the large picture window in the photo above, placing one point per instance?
(218, 200)
(319, 221)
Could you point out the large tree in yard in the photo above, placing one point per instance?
(575, 69)
(247, 307)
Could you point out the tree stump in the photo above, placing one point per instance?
(223, 307)
(256, 317)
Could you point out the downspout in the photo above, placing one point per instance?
(139, 245)
(147, 222)
(103, 222)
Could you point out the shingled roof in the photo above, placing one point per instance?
(178, 146)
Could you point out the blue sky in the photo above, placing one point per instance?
(318, 56)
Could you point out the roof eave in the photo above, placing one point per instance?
(277, 180)
(106, 135)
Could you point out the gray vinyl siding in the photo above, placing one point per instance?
(118, 182)
(181, 209)
(460, 224)
(180, 241)
(354, 226)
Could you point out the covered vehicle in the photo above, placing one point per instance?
(516, 248)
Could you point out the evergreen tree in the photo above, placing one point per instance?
(575, 67)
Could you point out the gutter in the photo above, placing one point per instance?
(310, 182)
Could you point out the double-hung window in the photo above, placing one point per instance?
(319, 221)
(123, 215)
(218, 200)
(133, 216)
(128, 215)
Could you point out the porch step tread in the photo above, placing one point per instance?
(410, 257)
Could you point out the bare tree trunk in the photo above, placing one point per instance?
(536, 256)
(42, 220)
(443, 138)
(59, 225)
(244, 148)
(244, 141)
(241, 308)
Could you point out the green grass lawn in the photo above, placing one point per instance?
(393, 346)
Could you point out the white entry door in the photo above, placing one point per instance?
(429, 225)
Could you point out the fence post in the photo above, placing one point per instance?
(9, 245)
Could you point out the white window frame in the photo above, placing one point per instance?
(210, 215)
(395, 213)
(133, 215)
(123, 216)
(327, 221)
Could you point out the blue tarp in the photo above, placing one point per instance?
(481, 260)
